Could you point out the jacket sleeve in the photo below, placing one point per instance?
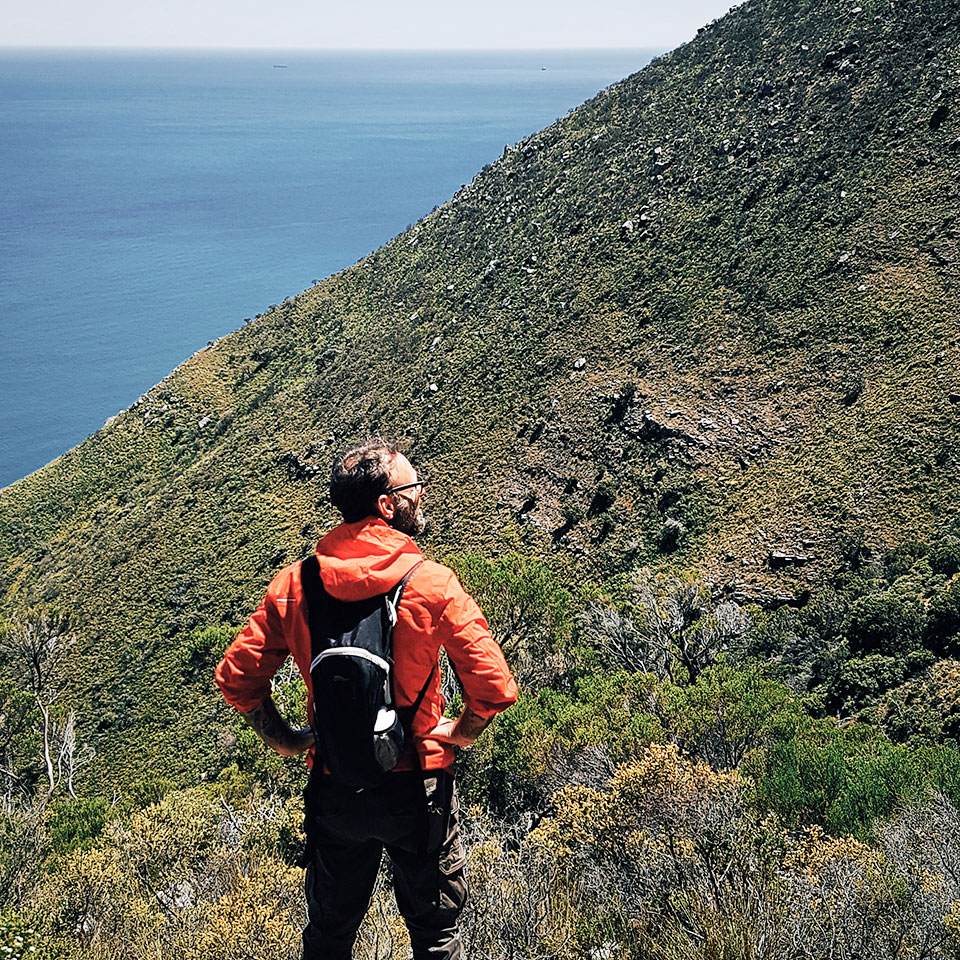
(488, 684)
(248, 666)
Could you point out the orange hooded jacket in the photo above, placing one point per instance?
(360, 560)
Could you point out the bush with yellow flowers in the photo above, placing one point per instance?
(190, 876)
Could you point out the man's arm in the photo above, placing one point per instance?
(275, 732)
(250, 662)
(488, 685)
(460, 732)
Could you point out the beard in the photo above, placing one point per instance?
(408, 518)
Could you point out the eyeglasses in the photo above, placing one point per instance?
(408, 486)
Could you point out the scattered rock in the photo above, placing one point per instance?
(939, 115)
(838, 59)
(297, 469)
(671, 532)
(768, 599)
(778, 559)
(850, 389)
(650, 428)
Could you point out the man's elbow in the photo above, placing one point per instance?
(490, 706)
(239, 694)
(511, 694)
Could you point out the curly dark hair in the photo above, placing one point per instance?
(360, 475)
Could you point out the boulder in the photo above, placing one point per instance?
(778, 559)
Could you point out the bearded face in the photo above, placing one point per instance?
(408, 517)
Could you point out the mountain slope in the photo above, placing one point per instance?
(709, 316)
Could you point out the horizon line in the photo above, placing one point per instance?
(316, 49)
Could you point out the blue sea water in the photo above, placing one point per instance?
(149, 202)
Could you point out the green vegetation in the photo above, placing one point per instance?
(610, 809)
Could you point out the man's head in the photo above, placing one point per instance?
(374, 479)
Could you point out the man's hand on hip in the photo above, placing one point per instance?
(460, 732)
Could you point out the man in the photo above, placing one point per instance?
(414, 813)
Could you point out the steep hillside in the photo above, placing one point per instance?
(710, 319)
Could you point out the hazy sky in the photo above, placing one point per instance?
(375, 24)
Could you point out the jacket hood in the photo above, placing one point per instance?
(364, 559)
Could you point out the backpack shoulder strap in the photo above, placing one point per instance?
(313, 594)
(392, 599)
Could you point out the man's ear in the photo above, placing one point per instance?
(386, 506)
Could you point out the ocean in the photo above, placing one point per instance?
(150, 201)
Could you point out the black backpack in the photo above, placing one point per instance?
(359, 730)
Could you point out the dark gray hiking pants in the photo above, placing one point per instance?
(414, 817)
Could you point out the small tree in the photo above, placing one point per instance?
(527, 609)
(672, 628)
(34, 647)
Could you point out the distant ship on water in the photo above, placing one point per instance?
(279, 66)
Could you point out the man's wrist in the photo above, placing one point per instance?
(469, 726)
